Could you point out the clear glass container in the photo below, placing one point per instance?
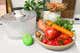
(16, 27)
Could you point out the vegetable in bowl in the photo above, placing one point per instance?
(55, 35)
(64, 23)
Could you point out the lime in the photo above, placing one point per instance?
(27, 39)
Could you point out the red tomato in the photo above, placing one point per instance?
(64, 36)
(50, 42)
(56, 43)
(53, 43)
(67, 41)
(45, 41)
(51, 33)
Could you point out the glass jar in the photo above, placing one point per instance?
(16, 27)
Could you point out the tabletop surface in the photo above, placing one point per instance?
(8, 45)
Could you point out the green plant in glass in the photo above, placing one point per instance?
(31, 5)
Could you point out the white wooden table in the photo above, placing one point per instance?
(8, 45)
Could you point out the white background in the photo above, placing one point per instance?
(17, 3)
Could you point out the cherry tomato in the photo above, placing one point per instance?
(50, 42)
(45, 41)
(67, 41)
(64, 36)
(56, 43)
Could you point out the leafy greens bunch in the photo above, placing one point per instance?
(35, 6)
(64, 23)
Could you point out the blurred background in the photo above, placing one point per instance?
(20, 3)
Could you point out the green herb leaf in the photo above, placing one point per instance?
(64, 23)
(32, 5)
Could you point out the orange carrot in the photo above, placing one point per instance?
(48, 23)
(59, 28)
(63, 30)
